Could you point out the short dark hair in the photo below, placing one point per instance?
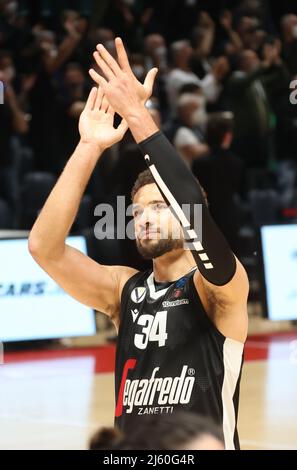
(146, 177)
(105, 439)
(168, 431)
(189, 88)
(218, 125)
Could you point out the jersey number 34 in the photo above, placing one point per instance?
(153, 329)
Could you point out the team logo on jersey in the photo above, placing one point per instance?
(138, 294)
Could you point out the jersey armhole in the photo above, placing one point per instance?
(205, 318)
(126, 291)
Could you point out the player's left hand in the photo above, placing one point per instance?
(122, 89)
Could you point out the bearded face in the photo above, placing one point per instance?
(157, 230)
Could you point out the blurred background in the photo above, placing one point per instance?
(225, 97)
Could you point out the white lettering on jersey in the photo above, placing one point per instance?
(159, 391)
(155, 410)
(174, 303)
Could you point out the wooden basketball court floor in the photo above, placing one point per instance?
(56, 399)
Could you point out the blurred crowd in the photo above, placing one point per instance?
(222, 96)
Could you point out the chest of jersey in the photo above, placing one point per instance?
(159, 318)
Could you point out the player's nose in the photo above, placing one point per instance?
(146, 218)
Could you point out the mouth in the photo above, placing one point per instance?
(148, 234)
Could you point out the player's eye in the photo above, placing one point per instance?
(137, 213)
(158, 206)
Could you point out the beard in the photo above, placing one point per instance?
(150, 249)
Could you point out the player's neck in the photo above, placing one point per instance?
(173, 265)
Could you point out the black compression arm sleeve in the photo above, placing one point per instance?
(212, 254)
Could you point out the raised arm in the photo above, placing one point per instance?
(221, 272)
(175, 180)
(93, 284)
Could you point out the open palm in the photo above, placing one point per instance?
(120, 78)
(96, 123)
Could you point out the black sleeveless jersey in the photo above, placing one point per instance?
(170, 355)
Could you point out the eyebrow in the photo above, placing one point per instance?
(155, 201)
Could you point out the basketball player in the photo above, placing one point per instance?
(181, 325)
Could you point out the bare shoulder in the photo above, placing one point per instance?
(124, 273)
(235, 291)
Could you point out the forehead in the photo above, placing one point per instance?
(147, 193)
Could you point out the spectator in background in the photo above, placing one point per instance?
(73, 23)
(137, 62)
(173, 123)
(155, 52)
(191, 88)
(181, 74)
(13, 122)
(129, 19)
(202, 41)
(178, 431)
(14, 32)
(255, 9)
(156, 16)
(277, 84)
(220, 174)
(7, 67)
(155, 55)
(39, 40)
(230, 43)
(247, 94)
(70, 103)
(246, 29)
(100, 36)
(190, 127)
(50, 58)
(289, 35)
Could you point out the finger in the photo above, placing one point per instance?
(122, 55)
(90, 103)
(99, 97)
(97, 78)
(150, 79)
(103, 66)
(107, 57)
(104, 104)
